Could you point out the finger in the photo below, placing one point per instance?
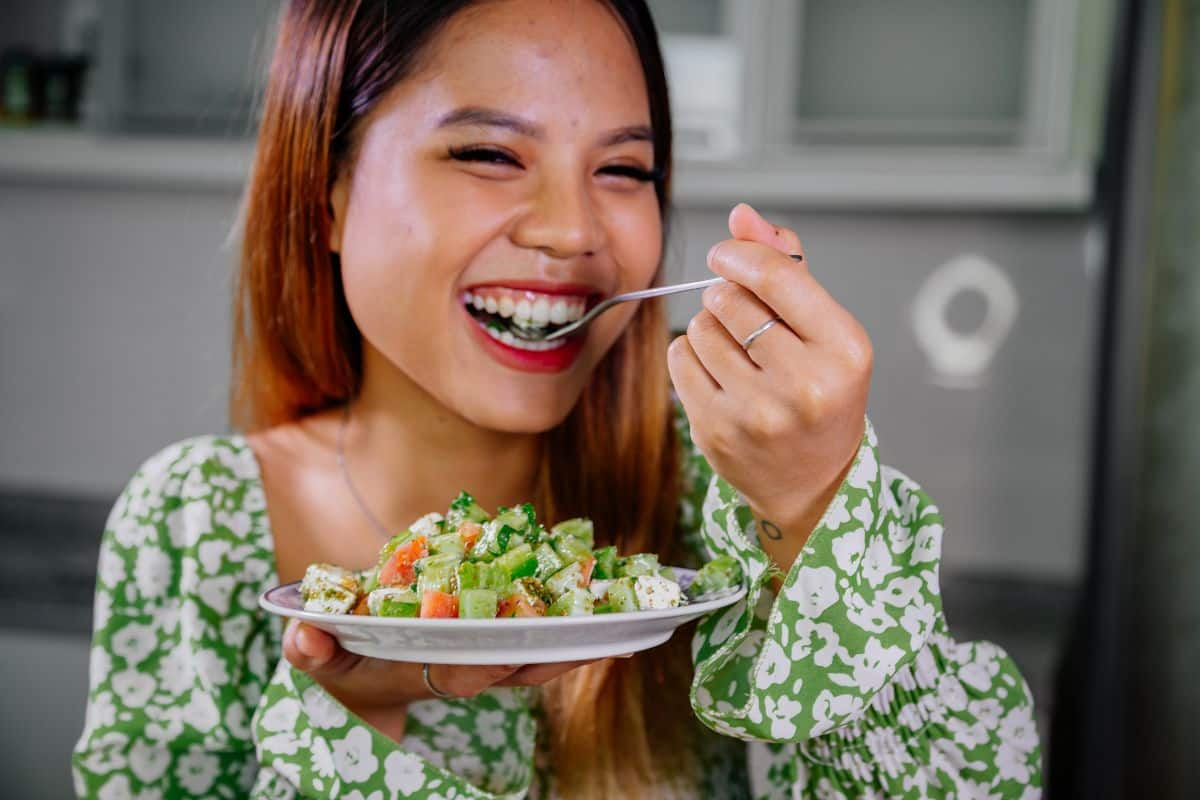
(537, 674)
(695, 387)
(747, 224)
(741, 313)
(317, 653)
(308, 648)
(722, 357)
(784, 285)
(468, 681)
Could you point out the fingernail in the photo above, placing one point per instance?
(712, 252)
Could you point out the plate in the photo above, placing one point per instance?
(518, 640)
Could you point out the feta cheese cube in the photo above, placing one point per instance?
(427, 525)
(655, 591)
(327, 589)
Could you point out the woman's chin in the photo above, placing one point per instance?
(521, 415)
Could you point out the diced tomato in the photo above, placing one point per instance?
(360, 608)
(588, 564)
(438, 604)
(470, 532)
(517, 606)
(398, 571)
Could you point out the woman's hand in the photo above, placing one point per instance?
(781, 420)
(379, 691)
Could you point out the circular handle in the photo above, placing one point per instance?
(958, 358)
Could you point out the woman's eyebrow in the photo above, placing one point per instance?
(491, 117)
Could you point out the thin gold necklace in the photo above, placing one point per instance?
(341, 460)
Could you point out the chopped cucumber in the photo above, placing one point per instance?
(518, 518)
(493, 541)
(574, 602)
(478, 603)
(437, 572)
(447, 543)
(569, 548)
(578, 528)
(464, 507)
(637, 564)
(567, 578)
(481, 575)
(606, 562)
(621, 596)
(387, 602)
(549, 561)
(721, 573)
(518, 562)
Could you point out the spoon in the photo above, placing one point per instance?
(605, 305)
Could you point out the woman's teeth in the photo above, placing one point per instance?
(527, 310)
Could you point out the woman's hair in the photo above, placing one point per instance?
(619, 727)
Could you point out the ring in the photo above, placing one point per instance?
(429, 684)
(759, 331)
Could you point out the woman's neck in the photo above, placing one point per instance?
(412, 455)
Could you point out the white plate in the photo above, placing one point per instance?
(520, 640)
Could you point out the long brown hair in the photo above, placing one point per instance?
(297, 350)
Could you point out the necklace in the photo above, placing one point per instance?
(341, 460)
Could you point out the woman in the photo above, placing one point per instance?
(422, 169)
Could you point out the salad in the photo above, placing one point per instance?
(471, 565)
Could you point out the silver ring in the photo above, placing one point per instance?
(759, 331)
(429, 684)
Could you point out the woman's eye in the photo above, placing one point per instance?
(483, 155)
(630, 171)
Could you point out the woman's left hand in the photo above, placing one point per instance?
(781, 420)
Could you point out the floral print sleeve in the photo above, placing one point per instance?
(180, 653)
(847, 684)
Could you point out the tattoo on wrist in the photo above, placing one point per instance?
(770, 529)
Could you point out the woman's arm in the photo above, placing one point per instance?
(180, 652)
(849, 669)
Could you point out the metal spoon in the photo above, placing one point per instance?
(605, 305)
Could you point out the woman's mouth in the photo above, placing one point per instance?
(511, 322)
(521, 318)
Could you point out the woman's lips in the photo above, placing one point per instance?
(555, 359)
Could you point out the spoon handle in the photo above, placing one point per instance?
(657, 291)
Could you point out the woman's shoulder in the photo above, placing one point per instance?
(195, 488)
(207, 454)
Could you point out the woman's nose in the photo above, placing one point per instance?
(560, 220)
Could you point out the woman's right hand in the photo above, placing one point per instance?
(379, 691)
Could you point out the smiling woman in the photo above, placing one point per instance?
(435, 181)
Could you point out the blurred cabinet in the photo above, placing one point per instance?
(888, 102)
(855, 104)
(181, 67)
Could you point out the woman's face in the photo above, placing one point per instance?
(503, 185)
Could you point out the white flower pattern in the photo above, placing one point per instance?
(846, 685)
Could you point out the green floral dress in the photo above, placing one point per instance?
(845, 685)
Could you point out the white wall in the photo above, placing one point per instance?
(113, 329)
(114, 342)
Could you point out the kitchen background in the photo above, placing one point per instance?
(964, 173)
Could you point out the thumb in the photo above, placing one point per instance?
(748, 225)
(308, 649)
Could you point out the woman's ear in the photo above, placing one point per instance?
(338, 196)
